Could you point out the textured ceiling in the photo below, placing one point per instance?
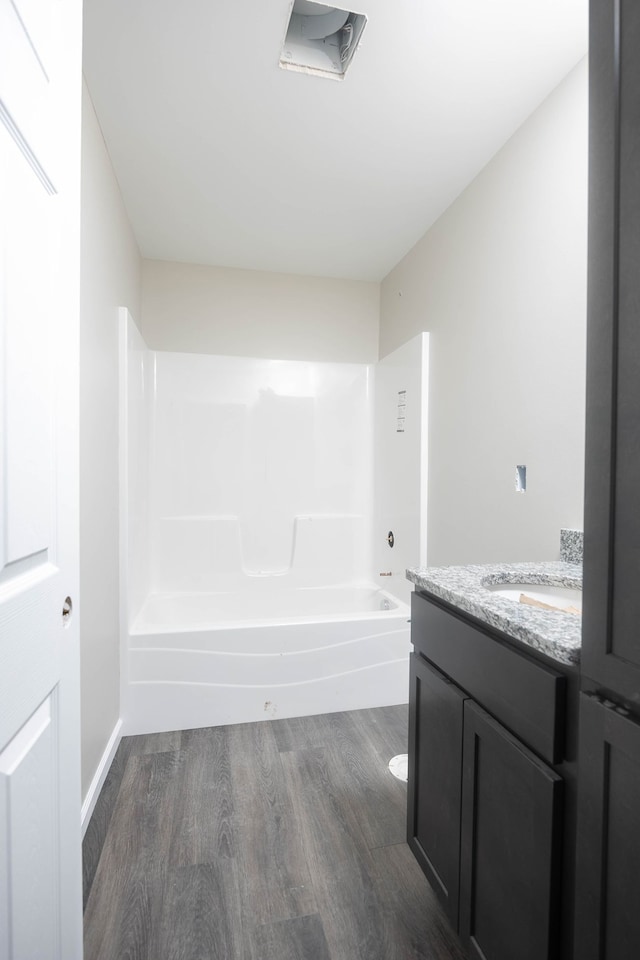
(224, 158)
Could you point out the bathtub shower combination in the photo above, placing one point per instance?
(247, 514)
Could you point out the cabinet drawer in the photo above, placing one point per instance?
(524, 695)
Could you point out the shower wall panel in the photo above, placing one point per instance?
(261, 467)
(400, 464)
(136, 407)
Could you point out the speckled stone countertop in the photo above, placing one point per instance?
(556, 634)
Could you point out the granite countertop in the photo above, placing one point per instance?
(556, 634)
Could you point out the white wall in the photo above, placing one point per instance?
(198, 309)
(110, 277)
(500, 283)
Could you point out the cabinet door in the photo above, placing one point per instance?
(434, 795)
(510, 846)
(611, 614)
(608, 863)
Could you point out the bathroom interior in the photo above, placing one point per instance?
(318, 353)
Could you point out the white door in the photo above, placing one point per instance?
(40, 89)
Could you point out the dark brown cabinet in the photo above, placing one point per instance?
(608, 847)
(486, 816)
(611, 614)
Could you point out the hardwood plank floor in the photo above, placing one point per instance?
(278, 840)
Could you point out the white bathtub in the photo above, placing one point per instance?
(265, 651)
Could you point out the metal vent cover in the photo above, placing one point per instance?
(321, 39)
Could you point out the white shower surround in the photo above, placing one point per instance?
(247, 513)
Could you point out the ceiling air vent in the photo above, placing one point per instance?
(321, 39)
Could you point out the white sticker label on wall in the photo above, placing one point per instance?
(401, 411)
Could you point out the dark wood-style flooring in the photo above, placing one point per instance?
(280, 840)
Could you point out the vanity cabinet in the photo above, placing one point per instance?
(608, 855)
(485, 806)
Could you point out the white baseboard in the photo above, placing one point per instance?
(100, 775)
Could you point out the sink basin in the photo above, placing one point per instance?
(557, 597)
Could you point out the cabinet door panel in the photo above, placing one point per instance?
(611, 614)
(434, 795)
(608, 862)
(510, 846)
